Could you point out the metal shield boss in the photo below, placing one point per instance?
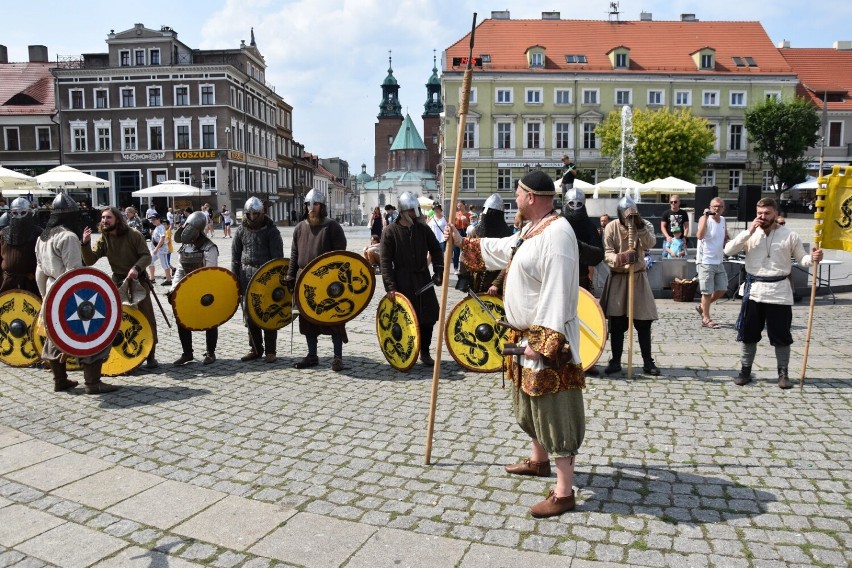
(474, 339)
(18, 314)
(205, 298)
(39, 335)
(334, 288)
(268, 302)
(82, 312)
(398, 332)
(592, 329)
(132, 343)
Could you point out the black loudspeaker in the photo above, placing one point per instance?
(747, 202)
(703, 195)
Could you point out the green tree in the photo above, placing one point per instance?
(667, 144)
(781, 132)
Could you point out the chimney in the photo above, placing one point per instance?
(550, 16)
(500, 15)
(784, 44)
(4, 54)
(646, 17)
(38, 54)
(843, 45)
(688, 18)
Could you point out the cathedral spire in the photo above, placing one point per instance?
(433, 106)
(253, 43)
(390, 105)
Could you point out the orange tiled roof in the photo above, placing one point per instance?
(821, 70)
(32, 80)
(655, 46)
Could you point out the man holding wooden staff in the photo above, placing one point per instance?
(541, 295)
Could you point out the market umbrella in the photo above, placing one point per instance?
(618, 185)
(583, 186)
(37, 192)
(425, 203)
(172, 188)
(669, 185)
(10, 179)
(66, 177)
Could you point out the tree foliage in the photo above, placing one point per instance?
(781, 132)
(668, 143)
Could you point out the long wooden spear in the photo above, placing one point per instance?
(819, 214)
(448, 253)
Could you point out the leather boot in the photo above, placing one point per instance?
(92, 376)
(784, 378)
(60, 377)
(744, 377)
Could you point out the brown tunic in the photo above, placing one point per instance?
(614, 297)
(19, 265)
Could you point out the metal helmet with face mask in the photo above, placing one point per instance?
(574, 199)
(408, 201)
(253, 209)
(63, 203)
(494, 202)
(194, 226)
(314, 196)
(626, 208)
(20, 208)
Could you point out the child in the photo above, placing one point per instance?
(677, 247)
(169, 248)
(373, 252)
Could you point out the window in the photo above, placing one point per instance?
(469, 140)
(738, 98)
(472, 98)
(468, 179)
(504, 135)
(43, 138)
(504, 96)
(576, 59)
(562, 96)
(766, 182)
(735, 179)
(533, 135)
(533, 96)
(128, 97)
(207, 95)
(708, 177)
(155, 57)
(140, 57)
(750, 61)
(563, 135)
(589, 138)
(683, 98)
(774, 95)
(591, 96)
(656, 98)
(536, 60)
(621, 60)
(735, 140)
(184, 175)
(76, 98)
(622, 96)
(182, 137)
(710, 98)
(707, 61)
(504, 179)
(101, 98)
(182, 96)
(124, 58)
(155, 136)
(13, 138)
(835, 134)
(208, 178)
(714, 129)
(78, 138)
(103, 132)
(208, 136)
(128, 137)
(155, 96)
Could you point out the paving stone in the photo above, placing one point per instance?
(166, 504)
(27, 453)
(135, 557)
(391, 548)
(58, 471)
(484, 556)
(61, 546)
(19, 523)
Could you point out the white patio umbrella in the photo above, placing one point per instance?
(669, 185)
(10, 179)
(37, 192)
(809, 183)
(66, 177)
(618, 185)
(172, 188)
(584, 186)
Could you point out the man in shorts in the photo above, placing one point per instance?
(712, 279)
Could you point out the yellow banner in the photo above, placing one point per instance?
(835, 221)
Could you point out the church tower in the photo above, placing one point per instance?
(432, 119)
(390, 120)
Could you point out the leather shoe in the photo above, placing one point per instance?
(100, 387)
(63, 385)
(593, 372)
(208, 358)
(152, 364)
(250, 356)
(553, 506)
(307, 361)
(270, 358)
(529, 467)
(651, 369)
(744, 377)
(426, 359)
(784, 379)
(183, 360)
(612, 367)
(337, 364)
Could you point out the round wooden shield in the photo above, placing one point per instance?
(398, 332)
(473, 338)
(38, 336)
(334, 288)
(18, 315)
(82, 312)
(268, 302)
(132, 343)
(205, 298)
(592, 329)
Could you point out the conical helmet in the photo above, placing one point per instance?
(314, 196)
(408, 201)
(194, 226)
(574, 199)
(20, 207)
(494, 201)
(63, 202)
(627, 207)
(253, 208)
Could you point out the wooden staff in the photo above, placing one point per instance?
(819, 209)
(631, 244)
(448, 253)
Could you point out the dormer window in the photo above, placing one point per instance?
(707, 61)
(621, 60)
(535, 56)
(619, 57)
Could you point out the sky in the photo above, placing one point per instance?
(328, 58)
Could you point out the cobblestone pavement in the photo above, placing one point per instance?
(254, 464)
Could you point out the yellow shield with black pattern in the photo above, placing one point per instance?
(39, 334)
(268, 302)
(334, 288)
(18, 314)
(132, 343)
(205, 298)
(592, 329)
(473, 337)
(398, 332)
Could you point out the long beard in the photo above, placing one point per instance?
(315, 219)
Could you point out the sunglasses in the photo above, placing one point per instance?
(674, 201)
